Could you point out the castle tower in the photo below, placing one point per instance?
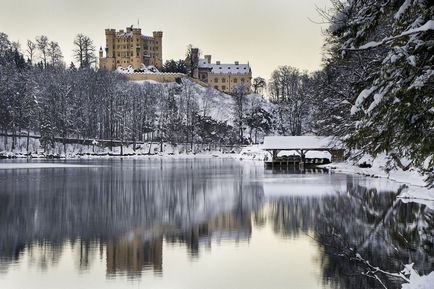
(108, 62)
(158, 42)
(195, 62)
(110, 35)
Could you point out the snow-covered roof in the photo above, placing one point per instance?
(225, 68)
(299, 142)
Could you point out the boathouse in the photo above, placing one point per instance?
(298, 149)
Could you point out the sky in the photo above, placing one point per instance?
(264, 33)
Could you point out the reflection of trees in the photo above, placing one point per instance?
(52, 206)
(375, 224)
(44, 255)
(127, 210)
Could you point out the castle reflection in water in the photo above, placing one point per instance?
(129, 212)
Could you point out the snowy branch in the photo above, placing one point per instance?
(429, 25)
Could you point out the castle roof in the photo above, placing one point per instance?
(128, 34)
(224, 68)
(147, 37)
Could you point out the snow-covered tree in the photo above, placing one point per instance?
(388, 46)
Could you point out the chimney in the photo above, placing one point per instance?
(217, 62)
(208, 58)
(237, 63)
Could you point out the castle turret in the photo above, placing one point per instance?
(208, 58)
(158, 42)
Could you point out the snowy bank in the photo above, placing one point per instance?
(376, 168)
(253, 152)
(10, 166)
(415, 281)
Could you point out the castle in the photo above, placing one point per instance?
(221, 76)
(131, 50)
(130, 47)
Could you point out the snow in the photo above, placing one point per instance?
(423, 79)
(416, 281)
(414, 192)
(419, 195)
(361, 98)
(429, 25)
(299, 142)
(411, 176)
(377, 99)
(225, 68)
(254, 152)
(143, 69)
(11, 166)
(403, 8)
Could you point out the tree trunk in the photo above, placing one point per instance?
(256, 136)
(13, 139)
(28, 141)
(6, 139)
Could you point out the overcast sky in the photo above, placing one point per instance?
(266, 33)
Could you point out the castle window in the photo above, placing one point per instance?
(216, 87)
(223, 87)
(235, 80)
(223, 80)
(216, 80)
(242, 79)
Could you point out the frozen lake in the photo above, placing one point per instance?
(204, 223)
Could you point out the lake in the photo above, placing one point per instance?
(202, 223)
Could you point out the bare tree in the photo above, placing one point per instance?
(54, 53)
(289, 90)
(84, 51)
(31, 49)
(259, 85)
(42, 44)
(239, 92)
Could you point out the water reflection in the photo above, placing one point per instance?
(126, 212)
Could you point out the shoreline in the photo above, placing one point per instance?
(415, 190)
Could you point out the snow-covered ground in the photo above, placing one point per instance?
(415, 281)
(35, 165)
(415, 181)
